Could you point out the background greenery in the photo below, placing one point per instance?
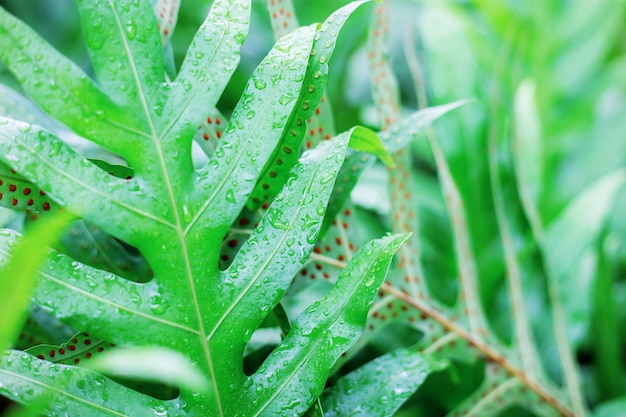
(569, 58)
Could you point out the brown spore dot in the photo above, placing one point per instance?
(232, 243)
(46, 206)
(304, 272)
(279, 161)
(72, 347)
(87, 342)
(14, 201)
(100, 349)
(30, 202)
(61, 351)
(76, 360)
(51, 353)
(40, 357)
(287, 150)
(87, 355)
(317, 250)
(26, 191)
(206, 136)
(341, 258)
(218, 120)
(318, 267)
(42, 192)
(12, 187)
(244, 222)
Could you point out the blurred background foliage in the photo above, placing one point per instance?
(572, 55)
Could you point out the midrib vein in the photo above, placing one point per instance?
(269, 259)
(172, 200)
(313, 348)
(232, 166)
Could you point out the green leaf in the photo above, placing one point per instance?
(18, 107)
(18, 277)
(151, 364)
(314, 82)
(381, 386)
(569, 243)
(125, 49)
(72, 180)
(166, 12)
(364, 140)
(300, 364)
(199, 85)
(62, 89)
(17, 193)
(78, 391)
(613, 408)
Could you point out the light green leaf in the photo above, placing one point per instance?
(613, 408)
(151, 364)
(365, 140)
(19, 276)
(569, 243)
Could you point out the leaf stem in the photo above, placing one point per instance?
(491, 354)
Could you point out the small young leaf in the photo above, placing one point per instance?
(365, 140)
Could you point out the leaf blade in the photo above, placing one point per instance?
(381, 386)
(321, 334)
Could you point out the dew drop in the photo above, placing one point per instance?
(55, 149)
(259, 83)
(187, 213)
(230, 196)
(157, 304)
(131, 30)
